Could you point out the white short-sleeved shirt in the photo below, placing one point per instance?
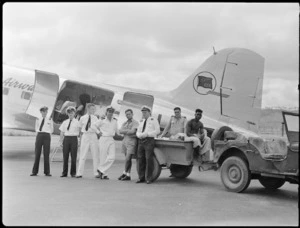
(47, 127)
(152, 128)
(74, 127)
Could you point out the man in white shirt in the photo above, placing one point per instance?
(148, 130)
(69, 139)
(89, 140)
(106, 128)
(44, 129)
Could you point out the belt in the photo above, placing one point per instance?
(71, 136)
(89, 132)
(43, 133)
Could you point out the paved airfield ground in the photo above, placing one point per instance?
(199, 200)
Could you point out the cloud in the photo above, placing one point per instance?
(157, 43)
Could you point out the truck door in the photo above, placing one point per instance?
(44, 93)
(134, 101)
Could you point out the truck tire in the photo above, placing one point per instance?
(181, 171)
(218, 134)
(271, 183)
(235, 174)
(156, 169)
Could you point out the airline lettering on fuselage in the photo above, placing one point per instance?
(11, 82)
(204, 83)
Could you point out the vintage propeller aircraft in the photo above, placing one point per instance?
(227, 87)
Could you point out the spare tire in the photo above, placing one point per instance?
(218, 134)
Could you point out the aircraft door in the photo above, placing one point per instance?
(44, 94)
(134, 101)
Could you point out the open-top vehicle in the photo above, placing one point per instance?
(240, 158)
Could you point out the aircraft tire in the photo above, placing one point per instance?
(235, 174)
(218, 134)
(271, 183)
(181, 171)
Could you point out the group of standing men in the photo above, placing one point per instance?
(96, 135)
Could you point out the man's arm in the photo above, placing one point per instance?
(122, 130)
(51, 126)
(167, 128)
(37, 125)
(156, 129)
(61, 139)
(188, 129)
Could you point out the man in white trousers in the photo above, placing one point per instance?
(106, 128)
(89, 140)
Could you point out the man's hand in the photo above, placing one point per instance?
(60, 143)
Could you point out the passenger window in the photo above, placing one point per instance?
(5, 91)
(26, 95)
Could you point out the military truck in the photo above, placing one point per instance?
(239, 158)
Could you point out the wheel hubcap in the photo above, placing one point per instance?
(234, 174)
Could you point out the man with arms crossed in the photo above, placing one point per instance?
(129, 143)
(106, 128)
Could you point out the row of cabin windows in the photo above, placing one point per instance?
(25, 95)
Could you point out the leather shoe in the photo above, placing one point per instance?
(73, 175)
(140, 181)
(78, 176)
(126, 178)
(105, 178)
(63, 176)
(122, 176)
(171, 175)
(48, 175)
(100, 175)
(149, 182)
(33, 174)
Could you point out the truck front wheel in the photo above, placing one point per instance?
(235, 174)
(181, 171)
(271, 183)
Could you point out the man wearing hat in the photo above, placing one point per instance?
(69, 132)
(44, 129)
(148, 129)
(89, 140)
(106, 128)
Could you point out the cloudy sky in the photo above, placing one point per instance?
(153, 45)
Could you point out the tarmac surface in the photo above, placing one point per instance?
(199, 200)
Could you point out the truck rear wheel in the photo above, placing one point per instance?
(235, 174)
(271, 183)
(181, 171)
(156, 169)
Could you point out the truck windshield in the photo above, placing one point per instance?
(292, 122)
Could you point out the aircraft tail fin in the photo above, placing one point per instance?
(227, 87)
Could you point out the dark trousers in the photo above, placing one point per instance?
(42, 140)
(70, 145)
(145, 156)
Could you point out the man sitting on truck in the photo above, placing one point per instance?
(197, 134)
(177, 124)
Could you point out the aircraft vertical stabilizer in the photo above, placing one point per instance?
(227, 87)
